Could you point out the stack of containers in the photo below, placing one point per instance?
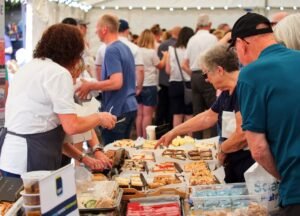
(31, 193)
(226, 199)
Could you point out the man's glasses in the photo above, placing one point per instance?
(204, 75)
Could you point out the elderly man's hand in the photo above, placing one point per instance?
(107, 120)
(84, 89)
(166, 139)
(221, 158)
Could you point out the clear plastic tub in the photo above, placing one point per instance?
(219, 190)
(249, 204)
(30, 199)
(31, 181)
(32, 210)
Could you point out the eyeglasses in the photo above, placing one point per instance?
(204, 75)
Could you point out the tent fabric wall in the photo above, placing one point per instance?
(140, 20)
(44, 14)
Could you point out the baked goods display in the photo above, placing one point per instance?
(123, 182)
(203, 146)
(162, 180)
(200, 173)
(200, 155)
(110, 154)
(150, 173)
(4, 207)
(136, 181)
(99, 177)
(100, 195)
(145, 156)
(94, 202)
(149, 144)
(134, 165)
(124, 143)
(167, 167)
(179, 141)
(176, 154)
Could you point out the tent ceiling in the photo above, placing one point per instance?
(193, 3)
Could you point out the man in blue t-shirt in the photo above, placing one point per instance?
(118, 81)
(220, 68)
(269, 103)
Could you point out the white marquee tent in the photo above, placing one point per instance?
(143, 14)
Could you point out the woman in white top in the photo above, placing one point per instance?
(147, 99)
(179, 110)
(40, 107)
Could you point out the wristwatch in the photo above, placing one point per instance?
(82, 156)
(97, 148)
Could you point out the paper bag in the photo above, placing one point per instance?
(259, 181)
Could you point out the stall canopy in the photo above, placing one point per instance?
(143, 14)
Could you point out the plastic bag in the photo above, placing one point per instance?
(259, 181)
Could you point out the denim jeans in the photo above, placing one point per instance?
(8, 174)
(122, 129)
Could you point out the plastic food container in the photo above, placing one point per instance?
(30, 199)
(31, 181)
(32, 210)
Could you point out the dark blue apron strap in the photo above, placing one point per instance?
(3, 133)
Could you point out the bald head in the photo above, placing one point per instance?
(278, 16)
(175, 31)
(110, 21)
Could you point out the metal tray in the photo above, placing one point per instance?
(99, 210)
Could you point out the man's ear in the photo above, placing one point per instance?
(242, 48)
(220, 70)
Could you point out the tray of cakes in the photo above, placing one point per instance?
(99, 197)
(200, 154)
(175, 154)
(166, 167)
(134, 166)
(181, 141)
(128, 180)
(198, 173)
(142, 155)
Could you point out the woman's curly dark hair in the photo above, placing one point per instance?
(61, 43)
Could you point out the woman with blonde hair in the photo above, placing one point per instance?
(147, 99)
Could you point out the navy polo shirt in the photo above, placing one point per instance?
(119, 59)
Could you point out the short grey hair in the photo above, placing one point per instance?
(203, 20)
(220, 55)
(287, 31)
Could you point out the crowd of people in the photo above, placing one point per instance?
(244, 88)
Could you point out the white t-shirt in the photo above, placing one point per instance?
(40, 90)
(175, 74)
(100, 54)
(197, 44)
(150, 59)
(135, 50)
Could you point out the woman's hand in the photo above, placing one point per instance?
(93, 164)
(105, 160)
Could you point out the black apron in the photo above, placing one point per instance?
(44, 150)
